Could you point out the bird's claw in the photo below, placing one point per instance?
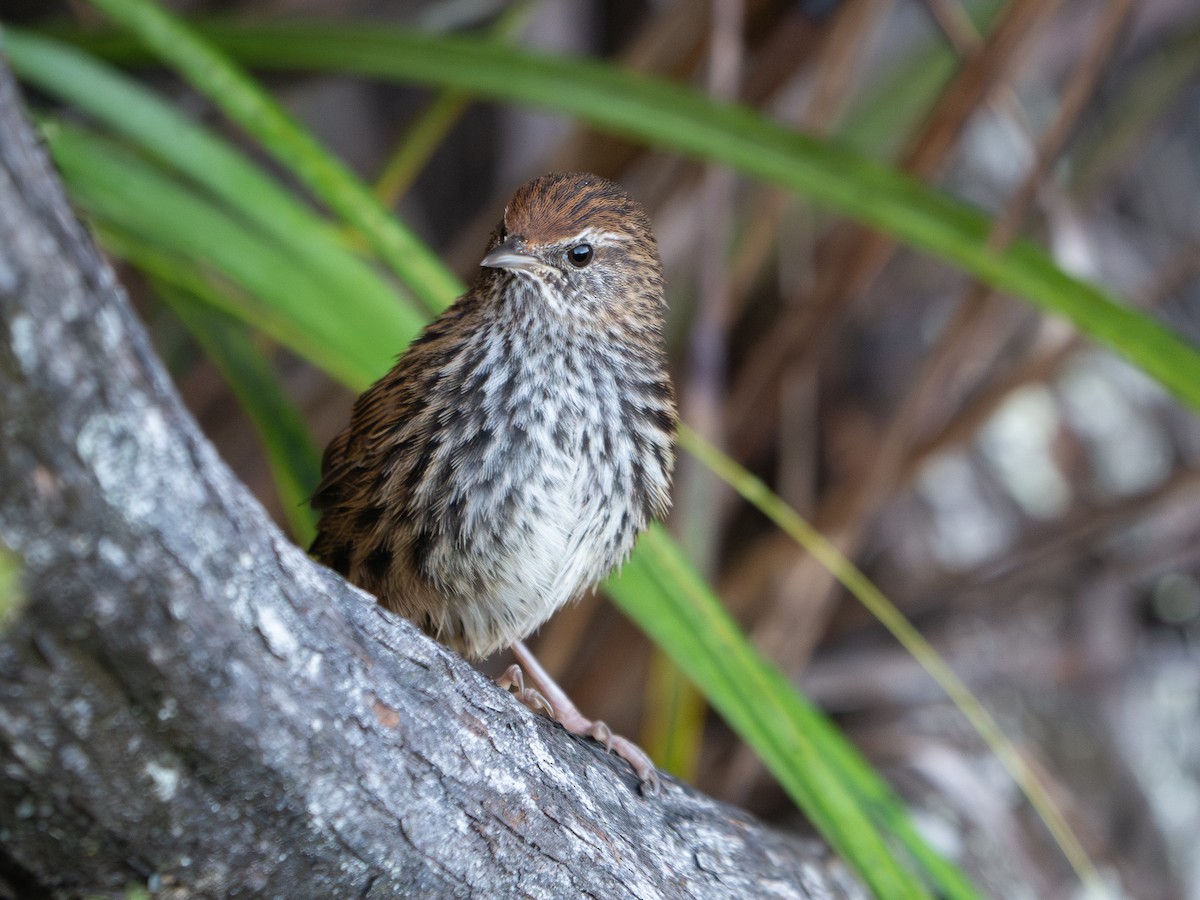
(558, 706)
(602, 733)
(643, 767)
(513, 680)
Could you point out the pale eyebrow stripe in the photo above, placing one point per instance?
(598, 236)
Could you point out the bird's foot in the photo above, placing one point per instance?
(513, 680)
(546, 695)
(626, 749)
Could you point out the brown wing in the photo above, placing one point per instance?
(359, 454)
(350, 463)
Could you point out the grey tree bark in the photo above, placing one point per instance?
(188, 703)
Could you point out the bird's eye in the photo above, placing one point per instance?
(580, 255)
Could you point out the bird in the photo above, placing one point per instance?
(509, 460)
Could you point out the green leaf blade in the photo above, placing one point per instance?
(671, 116)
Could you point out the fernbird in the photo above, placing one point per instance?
(510, 459)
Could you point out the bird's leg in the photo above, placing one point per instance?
(545, 694)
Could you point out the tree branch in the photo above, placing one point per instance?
(188, 702)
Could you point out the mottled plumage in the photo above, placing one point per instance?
(512, 456)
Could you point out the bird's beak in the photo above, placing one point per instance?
(511, 255)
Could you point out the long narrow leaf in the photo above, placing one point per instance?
(11, 595)
(136, 113)
(428, 132)
(291, 306)
(852, 578)
(675, 117)
(660, 591)
(257, 112)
